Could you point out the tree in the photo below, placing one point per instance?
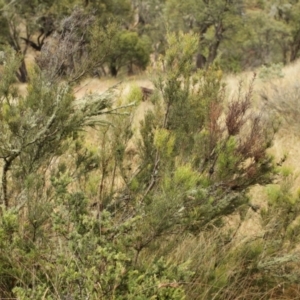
(287, 15)
(128, 50)
(73, 52)
(150, 21)
(213, 22)
(106, 11)
(270, 34)
(20, 22)
(28, 24)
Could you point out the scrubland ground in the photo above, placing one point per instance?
(243, 231)
(249, 257)
(286, 143)
(176, 183)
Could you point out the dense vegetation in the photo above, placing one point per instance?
(237, 35)
(94, 208)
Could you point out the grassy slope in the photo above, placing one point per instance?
(286, 142)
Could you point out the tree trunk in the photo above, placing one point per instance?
(22, 74)
(7, 164)
(285, 54)
(200, 61)
(295, 50)
(113, 70)
(213, 51)
(213, 48)
(130, 69)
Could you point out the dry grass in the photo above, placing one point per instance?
(282, 98)
(284, 104)
(202, 250)
(98, 86)
(286, 142)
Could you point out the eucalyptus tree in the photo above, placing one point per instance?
(213, 21)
